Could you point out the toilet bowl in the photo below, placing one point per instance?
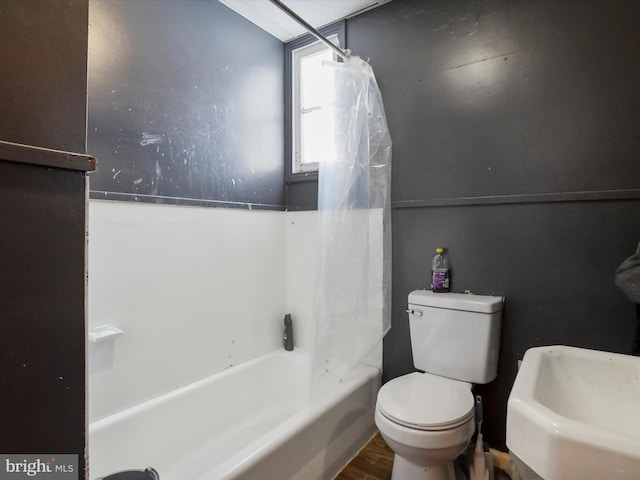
(427, 421)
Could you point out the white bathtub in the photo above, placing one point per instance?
(253, 421)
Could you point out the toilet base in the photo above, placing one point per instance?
(403, 469)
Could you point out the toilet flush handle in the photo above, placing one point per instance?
(414, 311)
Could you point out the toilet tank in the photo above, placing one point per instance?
(455, 335)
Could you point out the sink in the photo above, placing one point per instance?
(574, 413)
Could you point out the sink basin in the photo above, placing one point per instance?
(574, 413)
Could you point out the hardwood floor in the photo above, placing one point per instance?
(374, 462)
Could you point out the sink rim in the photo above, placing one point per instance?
(527, 416)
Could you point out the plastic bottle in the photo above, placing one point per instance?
(440, 272)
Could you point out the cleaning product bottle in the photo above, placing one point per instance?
(440, 272)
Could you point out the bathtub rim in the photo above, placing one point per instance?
(249, 455)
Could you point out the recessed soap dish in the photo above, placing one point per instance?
(104, 332)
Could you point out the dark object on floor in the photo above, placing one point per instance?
(146, 474)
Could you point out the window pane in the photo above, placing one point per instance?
(315, 129)
(313, 78)
(317, 137)
(311, 86)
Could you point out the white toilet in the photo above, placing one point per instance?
(427, 418)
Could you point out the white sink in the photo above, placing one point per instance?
(574, 413)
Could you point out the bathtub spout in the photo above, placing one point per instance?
(288, 333)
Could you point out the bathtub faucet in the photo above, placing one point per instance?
(287, 337)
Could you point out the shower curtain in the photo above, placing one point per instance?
(353, 296)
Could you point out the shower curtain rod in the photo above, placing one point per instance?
(343, 53)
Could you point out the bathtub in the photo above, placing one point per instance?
(258, 420)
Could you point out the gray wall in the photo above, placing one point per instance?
(185, 104)
(488, 152)
(42, 333)
(43, 84)
(515, 146)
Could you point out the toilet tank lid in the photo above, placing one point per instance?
(457, 301)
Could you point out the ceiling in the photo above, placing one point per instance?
(318, 13)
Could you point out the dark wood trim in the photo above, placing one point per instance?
(596, 195)
(47, 157)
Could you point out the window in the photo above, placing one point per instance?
(309, 91)
(309, 134)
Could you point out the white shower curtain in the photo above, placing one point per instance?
(353, 296)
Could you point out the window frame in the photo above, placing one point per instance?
(291, 117)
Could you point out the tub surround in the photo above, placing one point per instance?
(195, 290)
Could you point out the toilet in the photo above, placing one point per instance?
(427, 417)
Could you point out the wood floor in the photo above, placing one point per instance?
(374, 462)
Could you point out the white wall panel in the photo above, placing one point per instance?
(302, 266)
(196, 290)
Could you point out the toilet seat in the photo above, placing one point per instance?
(423, 401)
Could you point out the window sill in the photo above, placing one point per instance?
(302, 177)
